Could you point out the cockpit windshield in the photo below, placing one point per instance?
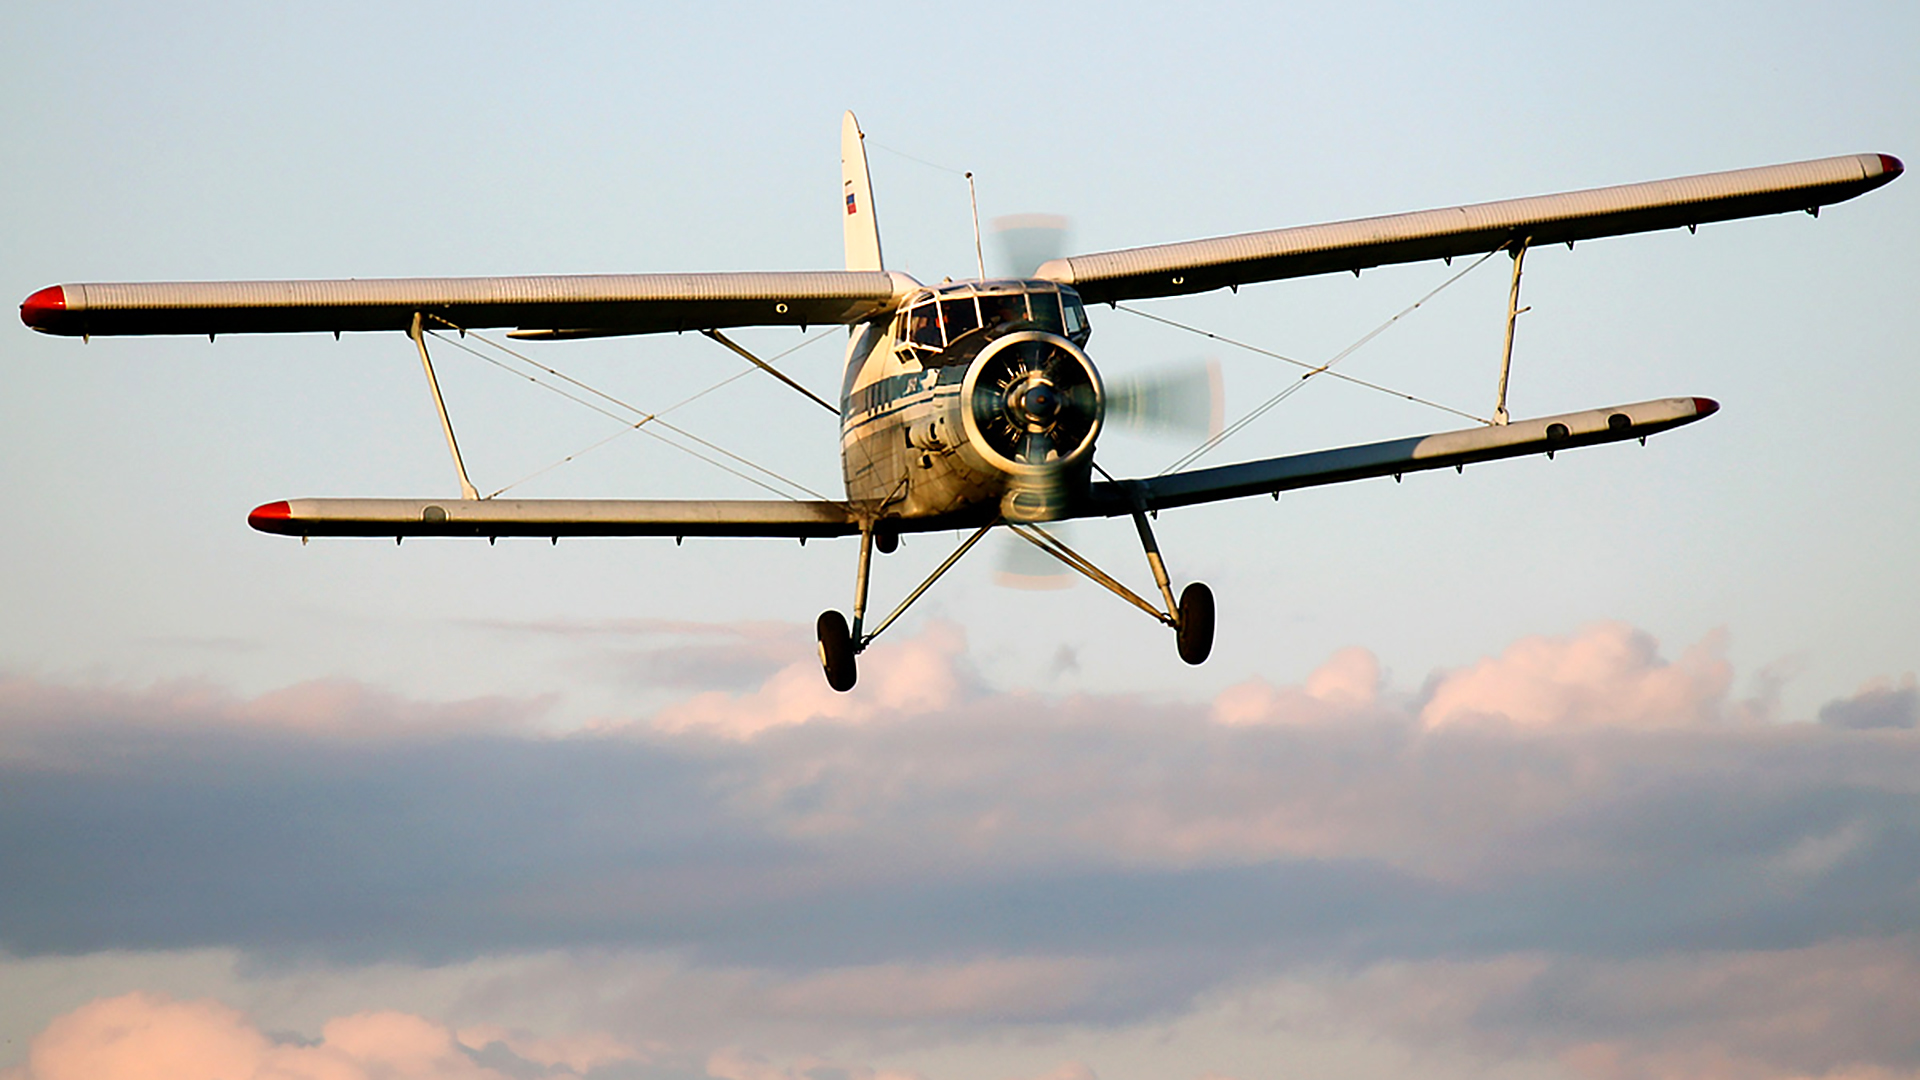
(939, 319)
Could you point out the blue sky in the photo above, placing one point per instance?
(1706, 599)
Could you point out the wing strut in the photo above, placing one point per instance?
(467, 490)
(862, 641)
(1519, 252)
(769, 368)
(1079, 563)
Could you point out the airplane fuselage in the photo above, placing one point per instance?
(973, 394)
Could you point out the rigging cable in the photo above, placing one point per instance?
(1321, 369)
(646, 418)
(628, 429)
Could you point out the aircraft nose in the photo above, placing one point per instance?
(44, 309)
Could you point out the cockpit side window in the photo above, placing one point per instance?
(1077, 329)
(923, 326)
(960, 316)
(997, 311)
(1045, 307)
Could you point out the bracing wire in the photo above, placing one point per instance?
(646, 418)
(915, 160)
(1311, 369)
(630, 428)
(639, 426)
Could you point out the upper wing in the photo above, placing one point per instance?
(1458, 449)
(1203, 265)
(561, 305)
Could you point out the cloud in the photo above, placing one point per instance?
(35, 716)
(1609, 674)
(916, 675)
(1348, 683)
(146, 1037)
(677, 653)
(1878, 705)
(1018, 988)
(1839, 1009)
(736, 1064)
(936, 857)
(1068, 1070)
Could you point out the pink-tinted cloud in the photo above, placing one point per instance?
(1066, 1070)
(324, 708)
(1607, 675)
(733, 1063)
(920, 674)
(580, 1052)
(1348, 683)
(146, 1037)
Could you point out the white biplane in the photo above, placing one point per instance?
(965, 405)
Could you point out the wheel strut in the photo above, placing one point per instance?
(1191, 617)
(839, 644)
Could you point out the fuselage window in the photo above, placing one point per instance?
(1077, 329)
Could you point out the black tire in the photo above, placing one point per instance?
(1195, 634)
(836, 651)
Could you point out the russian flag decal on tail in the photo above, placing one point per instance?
(859, 225)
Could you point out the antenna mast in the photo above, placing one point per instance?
(974, 202)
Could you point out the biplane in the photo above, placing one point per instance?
(967, 404)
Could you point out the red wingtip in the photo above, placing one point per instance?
(264, 516)
(1702, 406)
(1890, 165)
(44, 308)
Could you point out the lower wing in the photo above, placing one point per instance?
(554, 517)
(1453, 449)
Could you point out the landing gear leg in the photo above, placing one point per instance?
(839, 644)
(1193, 615)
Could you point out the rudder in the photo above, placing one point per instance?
(861, 227)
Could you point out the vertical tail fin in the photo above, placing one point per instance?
(861, 226)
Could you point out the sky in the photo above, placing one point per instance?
(1599, 767)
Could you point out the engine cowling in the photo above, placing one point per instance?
(1032, 406)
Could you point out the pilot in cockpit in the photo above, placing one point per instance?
(998, 311)
(923, 327)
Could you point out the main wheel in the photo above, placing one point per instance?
(1195, 634)
(836, 651)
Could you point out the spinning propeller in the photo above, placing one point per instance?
(1039, 404)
